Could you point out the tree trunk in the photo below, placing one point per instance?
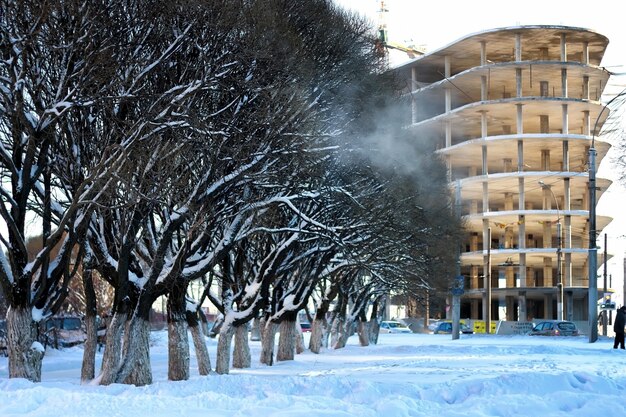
(287, 340)
(268, 336)
(177, 350)
(374, 330)
(222, 363)
(113, 348)
(318, 334)
(202, 354)
(25, 352)
(339, 333)
(299, 340)
(255, 333)
(241, 354)
(363, 332)
(136, 368)
(88, 369)
(178, 341)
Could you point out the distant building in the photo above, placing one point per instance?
(513, 112)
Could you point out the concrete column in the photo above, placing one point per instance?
(485, 161)
(448, 133)
(544, 123)
(474, 242)
(483, 53)
(474, 207)
(484, 132)
(448, 98)
(568, 277)
(520, 120)
(446, 64)
(565, 119)
(585, 57)
(547, 272)
(518, 82)
(518, 47)
(544, 89)
(522, 270)
(521, 304)
(520, 158)
(545, 160)
(510, 308)
(586, 123)
(474, 305)
(507, 165)
(567, 200)
(565, 155)
(521, 238)
(563, 48)
(569, 305)
(509, 238)
(547, 306)
(508, 201)
(564, 83)
(484, 93)
(585, 95)
(485, 197)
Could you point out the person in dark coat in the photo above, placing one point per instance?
(618, 326)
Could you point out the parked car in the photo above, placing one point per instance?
(393, 327)
(305, 327)
(445, 327)
(554, 328)
(63, 331)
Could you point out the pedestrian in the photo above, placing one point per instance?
(618, 326)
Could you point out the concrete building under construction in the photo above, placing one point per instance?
(513, 112)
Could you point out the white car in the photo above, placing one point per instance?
(393, 327)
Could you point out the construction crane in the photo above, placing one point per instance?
(383, 37)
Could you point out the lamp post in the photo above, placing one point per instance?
(593, 250)
(559, 284)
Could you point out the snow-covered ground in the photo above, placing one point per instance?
(404, 375)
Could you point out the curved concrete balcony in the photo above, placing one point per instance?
(501, 117)
(534, 221)
(469, 154)
(501, 80)
(508, 182)
(503, 258)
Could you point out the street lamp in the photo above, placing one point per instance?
(593, 250)
(559, 285)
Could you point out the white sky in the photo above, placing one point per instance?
(435, 24)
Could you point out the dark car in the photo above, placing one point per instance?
(445, 327)
(306, 327)
(554, 328)
(63, 331)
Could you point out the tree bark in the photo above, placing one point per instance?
(287, 341)
(222, 363)
(299, 340)
(374, 331)
(25, 352)
(136, 369)
(268, 336)
(363, 332)
(241, 353)
(319, 335)
(177, 350)
(88, 368)
(202, 353)
(177, 341)
(113, 348)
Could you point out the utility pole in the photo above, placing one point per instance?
(593, 250)
(604, 313)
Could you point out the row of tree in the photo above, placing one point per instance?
(232, 143)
